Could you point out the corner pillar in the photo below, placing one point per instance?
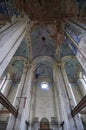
(71, 99)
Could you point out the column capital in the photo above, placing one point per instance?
(58, 63)
(28, 65)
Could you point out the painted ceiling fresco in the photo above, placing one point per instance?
(43, 41)
(70, 66)
(7, 9)
(65, 50)
(43, 69)
(23, 49)
(17, 66)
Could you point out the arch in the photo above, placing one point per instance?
(44, 120)
(77, 71)
(70, 63)
(42, 58)
(18, 63)
(67, 57)
(19, 58)
(43, 67)
(9, 70)
(44, 123)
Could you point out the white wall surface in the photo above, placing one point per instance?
(44, 103)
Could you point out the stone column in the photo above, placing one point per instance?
(76, 121)
(24, 124)
(35, 124)
(82, 85)
(10, 39)
(64, 102)
(62, 99)
(32, 106)
(19, 103)
(58, 115)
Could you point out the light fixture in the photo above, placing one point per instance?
(44, 85)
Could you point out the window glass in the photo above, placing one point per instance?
(2, 83)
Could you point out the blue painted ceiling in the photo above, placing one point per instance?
(17, 66)
(65, 49)
(42, 43)
(7, 9)
(23, 49)
(70, 66)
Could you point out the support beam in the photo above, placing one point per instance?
(7, 104)
(79, 106)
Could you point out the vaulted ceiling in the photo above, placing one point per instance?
(42, 42)
(50, 10)
(47, 19)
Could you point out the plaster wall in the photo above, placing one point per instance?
(44, 107)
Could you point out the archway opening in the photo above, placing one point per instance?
(44, 124)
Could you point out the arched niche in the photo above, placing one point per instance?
(17, 64)
(43, 68)
(44, 123)
(70, 64)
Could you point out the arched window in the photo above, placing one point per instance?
(82, 76)
(3, 80)
(44, 85)
(44, 124)
(84, 79)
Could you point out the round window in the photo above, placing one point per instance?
(44, 85)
